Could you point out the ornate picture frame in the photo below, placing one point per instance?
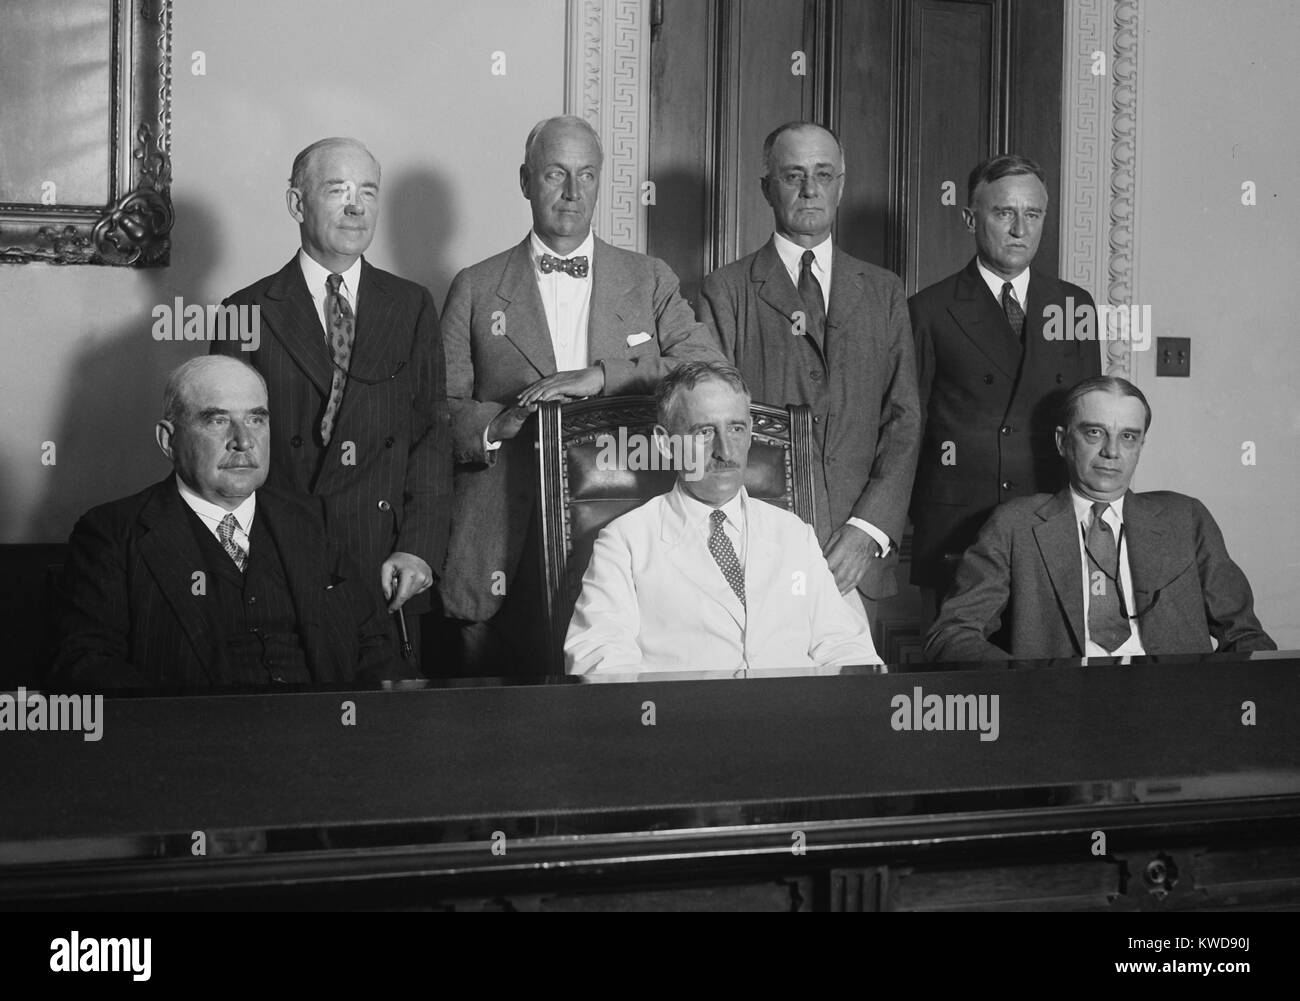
(132, 228)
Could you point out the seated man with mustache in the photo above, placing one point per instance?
(209, 578)
(704, 577)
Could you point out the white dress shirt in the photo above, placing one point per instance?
(567, 301)
(791, 255)
(698, 514)
(1019, 284)
(316, 275)
(1114, 517)
(211, 515)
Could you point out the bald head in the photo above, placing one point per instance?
(215, 428)
(560, 177)
(304, 161)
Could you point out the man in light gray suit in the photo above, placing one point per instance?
(561, 316)
(806, 323)
(1096, 570)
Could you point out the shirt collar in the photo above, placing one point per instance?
(213, 513)
(697, 513)
(584, 249)
(316, 274)
(791, 254)
(1083, 508)
(1019, 284)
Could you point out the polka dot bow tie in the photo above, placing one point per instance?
(574, 267)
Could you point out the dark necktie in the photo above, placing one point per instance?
(724, 554)
(1015, 315)
(226, 533)
(1107, 627)
(342, 332)
(810, 291)
(574, 267)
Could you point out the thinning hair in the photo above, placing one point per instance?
(303, 161)
(534, 139)
(997, 167)
(781, 130)
(176, 400)
(686, 377)
(1103, 383)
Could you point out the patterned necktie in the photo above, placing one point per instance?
(1015, 315)
(574, 267)
(226, 533)
(724, 554)
(1107, 627)
(342, 332)
(810, 291)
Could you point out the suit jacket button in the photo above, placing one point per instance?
(1059, 378)
(1008, 484)
(988, 380)
(817, 420)
(1007, 429)
(815, 374)
(296, 441)
(390, 441)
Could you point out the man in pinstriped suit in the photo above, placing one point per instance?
(353, 361)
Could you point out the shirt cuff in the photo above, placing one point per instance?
(489, 446)
(882, 540)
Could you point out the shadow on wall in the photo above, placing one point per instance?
(417, 224)
(112, 396)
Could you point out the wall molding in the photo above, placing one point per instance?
(607, 82)
(1099, 135)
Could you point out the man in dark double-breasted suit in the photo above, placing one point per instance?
(354, 365)
(995, 354)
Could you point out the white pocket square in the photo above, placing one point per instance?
(634, 339)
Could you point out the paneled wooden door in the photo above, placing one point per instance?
(919, 91)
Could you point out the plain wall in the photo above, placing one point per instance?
(1217, 92)
(410, 78)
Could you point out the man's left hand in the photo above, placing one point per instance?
(403, 576)
(848, 552)
(565, 386)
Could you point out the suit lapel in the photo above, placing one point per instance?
(847, 289)
(291, 317)
(1058, 544)
(1152, 561)
(775, 288)
(172, 555)
(763, 556)
(981, 319)
(690, 554)
(526, 326)
(378, 336)
(609, 284)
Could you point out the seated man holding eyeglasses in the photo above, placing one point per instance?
(1097, 570)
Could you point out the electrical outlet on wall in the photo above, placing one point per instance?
(1174, 356)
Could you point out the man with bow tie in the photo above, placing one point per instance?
(353, 362)
(1097, 570)
(561, 316)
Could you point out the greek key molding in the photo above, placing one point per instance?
(1099, 162)
(607, 82)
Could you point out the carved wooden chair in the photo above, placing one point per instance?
(579, 497)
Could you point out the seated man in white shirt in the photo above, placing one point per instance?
(704, 577)
(1097, 570)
